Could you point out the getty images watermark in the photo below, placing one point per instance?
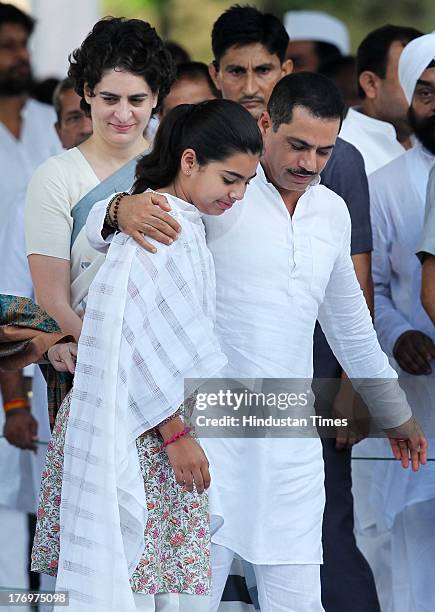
(301, 407)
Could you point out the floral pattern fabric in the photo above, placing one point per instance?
(176, 558)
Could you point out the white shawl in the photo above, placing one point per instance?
(149, 324)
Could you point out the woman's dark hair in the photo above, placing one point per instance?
(310, 90)
(214, 129)
(125, 44)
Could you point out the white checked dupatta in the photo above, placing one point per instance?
(148, 325)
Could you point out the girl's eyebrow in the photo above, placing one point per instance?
(239, 176)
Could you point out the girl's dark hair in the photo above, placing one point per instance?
(126, 44)
(214, 129)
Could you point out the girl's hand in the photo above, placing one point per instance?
(189, 463)
(63, 357)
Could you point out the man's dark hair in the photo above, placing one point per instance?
(61, 88)
(246, 25)
(178, 53)
(11, 14)
(196, 71)
(126, 44)
(373, 52)
(326, 51)
(310, 90)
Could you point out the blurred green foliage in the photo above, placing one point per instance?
(190, 23)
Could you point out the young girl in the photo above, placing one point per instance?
(128, 460)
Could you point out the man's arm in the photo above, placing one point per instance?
(412, 349)
(346, 322)
(426, 251)
(144, 214)
(428, 286)
(20, 427)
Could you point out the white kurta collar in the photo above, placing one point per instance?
(370, 123)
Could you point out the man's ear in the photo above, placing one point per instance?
(264, 122)
(287, 67)
(213, 70)
(368, 81)
(57, 128)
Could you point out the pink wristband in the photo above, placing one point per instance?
(175, 437)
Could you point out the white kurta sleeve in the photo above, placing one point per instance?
(94, 226)
(346, 322)
(390, 323)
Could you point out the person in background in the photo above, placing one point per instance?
(110, 71)
(405, 509)
(315, 37)
(379, 126)
(27, 138)
(43, 90)
(179, 56)
(426, 251)
(73, 126)
(177, 52)
(192, 84)
(342, 70)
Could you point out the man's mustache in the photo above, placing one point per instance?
(301, 172)
(251, 99)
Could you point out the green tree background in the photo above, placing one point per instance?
(189, 22)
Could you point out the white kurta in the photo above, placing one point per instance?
(397, 194)
(18, 160)
(376, 140)
(275, 276)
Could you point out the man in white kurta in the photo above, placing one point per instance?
(278, 269)
(378, 127)
(27, 138)
(406, 506)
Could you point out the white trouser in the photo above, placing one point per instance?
(171, 602)
(281, 588)
(413, 558)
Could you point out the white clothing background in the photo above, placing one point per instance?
(375, 139)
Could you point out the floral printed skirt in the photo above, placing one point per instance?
(176, 558)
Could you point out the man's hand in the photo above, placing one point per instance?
(146, 214)
(21, 429)
(63, 356)
(414, 351)
(408, 439)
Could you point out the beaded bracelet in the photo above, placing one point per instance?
(116, 200)
(176, 437)
(15, 404)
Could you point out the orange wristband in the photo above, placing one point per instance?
(14, 404)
